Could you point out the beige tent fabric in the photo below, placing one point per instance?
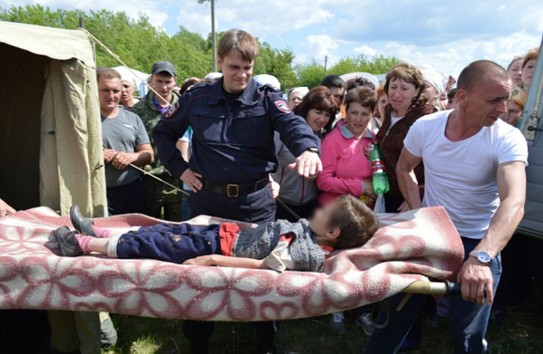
(55, 43)
(70, 156)
(71, 161)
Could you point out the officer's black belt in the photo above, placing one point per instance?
(235, 190)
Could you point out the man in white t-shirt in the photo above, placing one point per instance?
(474, 166)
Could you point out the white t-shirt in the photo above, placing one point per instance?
(462, 175)
(394, 120)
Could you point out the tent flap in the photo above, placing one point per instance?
(71, 151)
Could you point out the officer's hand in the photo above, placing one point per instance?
(192, 179)
(307, 164)
(5, 208)
(109, 154)
(476, 280)
(275, 189)
(122, 160)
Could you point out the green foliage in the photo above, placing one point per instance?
(277, 62)
(310, 75)
(139, 44)
(376, 65)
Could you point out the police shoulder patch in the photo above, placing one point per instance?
(282, 106)
(173, 109)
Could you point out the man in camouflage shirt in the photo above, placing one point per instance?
(151, 109)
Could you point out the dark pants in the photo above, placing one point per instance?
(393, 203)
(24, 331)
(162, 197)
(522, 262)
(304, 211)
(130, 198)
(169, 243)
(257, 207)
(468, 320)
(186, 212)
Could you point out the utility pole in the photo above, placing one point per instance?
(325, 64)
(213, 34)
(213, 37)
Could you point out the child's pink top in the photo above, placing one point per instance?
(345, 164)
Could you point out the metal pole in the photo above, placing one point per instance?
(325, 64)
(213, 36)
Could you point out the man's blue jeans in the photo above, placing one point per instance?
(468, 320)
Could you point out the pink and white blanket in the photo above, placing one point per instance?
(408, 247)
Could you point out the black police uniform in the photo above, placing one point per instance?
(233, 149)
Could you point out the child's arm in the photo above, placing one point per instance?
(224, 261)
(212, 220)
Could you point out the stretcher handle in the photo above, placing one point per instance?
(433, 288)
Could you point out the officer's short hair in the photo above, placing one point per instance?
(107, 74)
(241, 41)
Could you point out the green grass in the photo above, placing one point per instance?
(516, 332)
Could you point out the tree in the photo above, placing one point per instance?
(310, 75)
(376, 65)
(139, 44)
(276, 62)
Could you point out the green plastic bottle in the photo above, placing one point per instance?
(380, 178)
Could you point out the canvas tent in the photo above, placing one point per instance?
(132, 75)
(50, 129)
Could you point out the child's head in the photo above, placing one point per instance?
(345, 223)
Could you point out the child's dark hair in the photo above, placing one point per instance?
(356, 222)
(364, 96)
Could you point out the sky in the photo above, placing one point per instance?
(447, 35)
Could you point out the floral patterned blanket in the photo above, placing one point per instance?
(412, 246)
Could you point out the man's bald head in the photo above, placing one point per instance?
(479, 71)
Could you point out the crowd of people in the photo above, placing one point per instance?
(240, 149)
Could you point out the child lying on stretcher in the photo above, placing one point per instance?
(279, 245)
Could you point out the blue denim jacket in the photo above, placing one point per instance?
(231, 143)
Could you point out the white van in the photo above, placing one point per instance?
(532, 117)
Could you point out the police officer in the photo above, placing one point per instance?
(160, 197)
(233, 153)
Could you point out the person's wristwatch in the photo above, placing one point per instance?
(314, 150)
(482, 257)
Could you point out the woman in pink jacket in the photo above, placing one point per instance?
(346, 168)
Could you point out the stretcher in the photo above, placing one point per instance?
(408, 250)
